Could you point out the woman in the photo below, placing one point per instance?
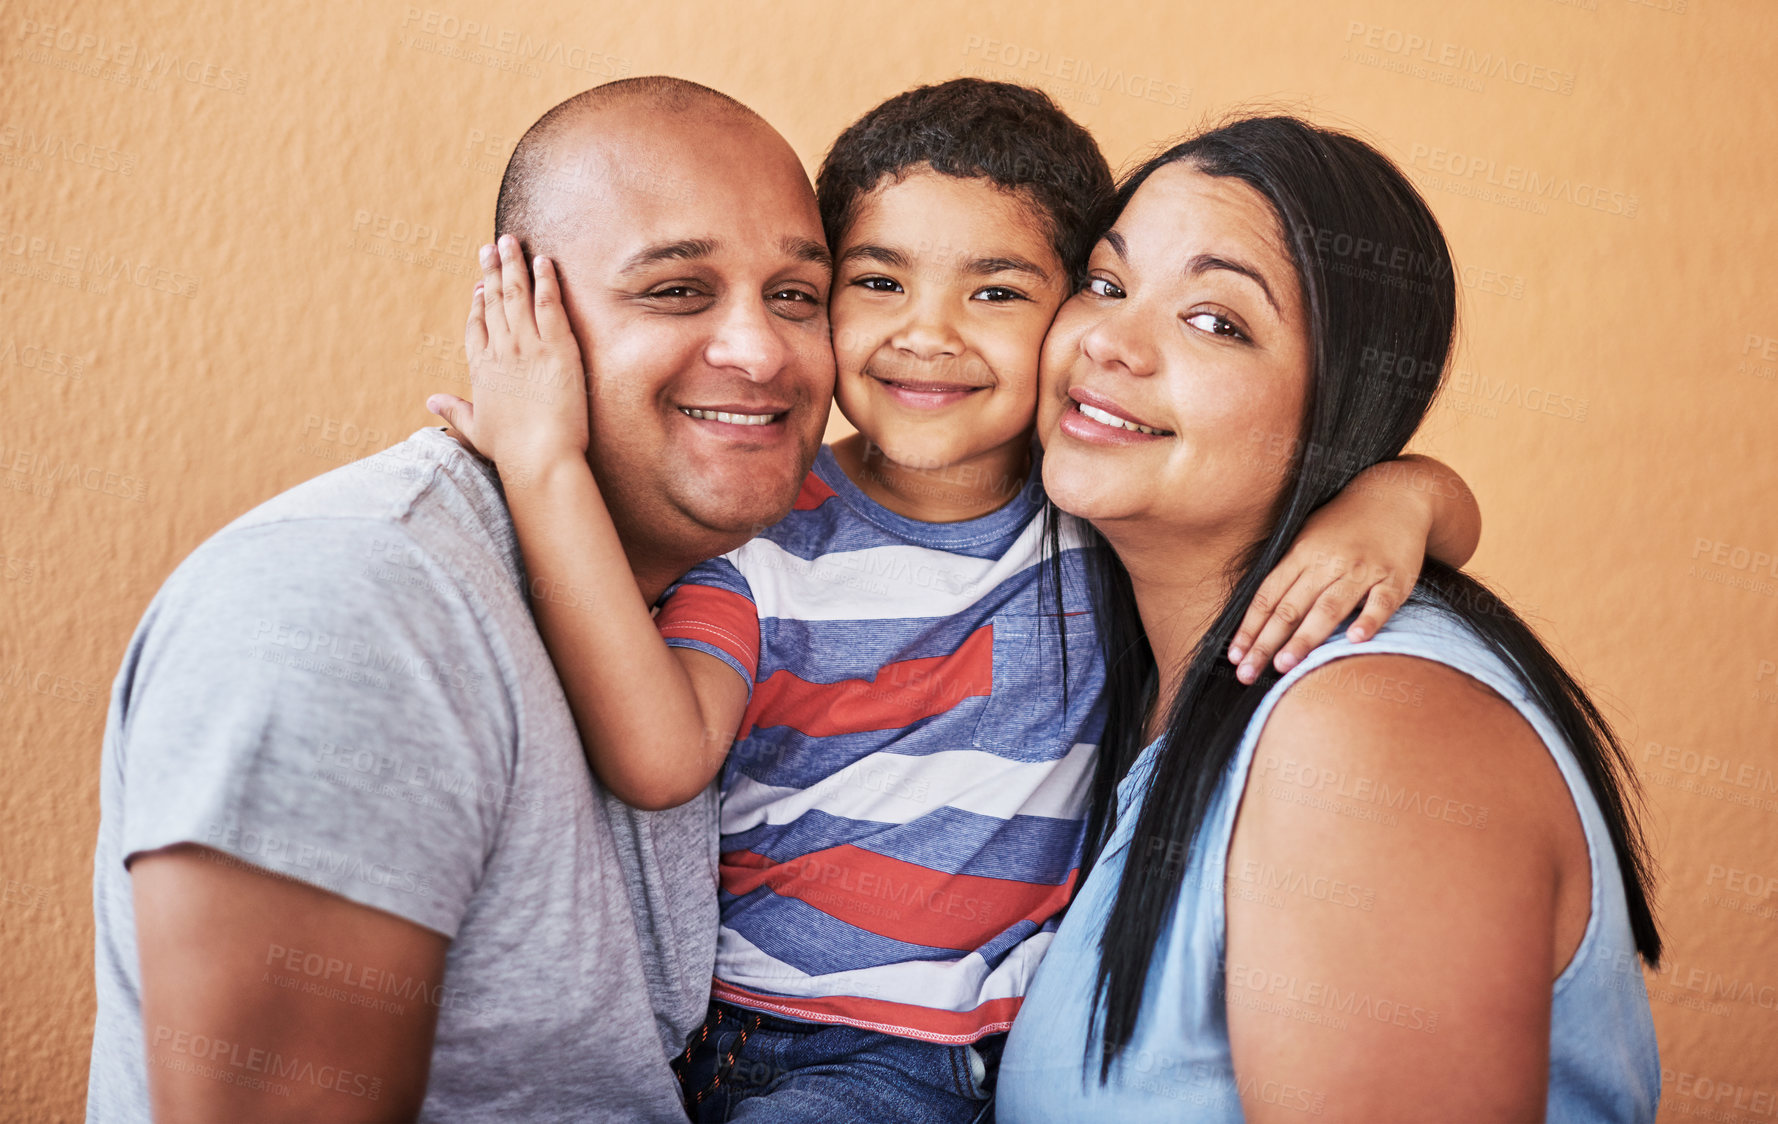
(1410, 889)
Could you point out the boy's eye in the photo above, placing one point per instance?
(999, 294)
(1215, 325)
(878, 284)
(1101, 287)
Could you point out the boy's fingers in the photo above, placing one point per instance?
(552, 324)
(1276, 585)
(516, 288)
(493, 304)
(1286, 615)
(1378, 608)
(475, 329)
(460, 414)
(552, 319)
(1333, 606)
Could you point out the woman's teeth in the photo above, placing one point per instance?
(1104, 418)
(732, 419)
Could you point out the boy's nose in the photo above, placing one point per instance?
(927, 340)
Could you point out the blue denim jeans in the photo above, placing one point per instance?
(749, 1066)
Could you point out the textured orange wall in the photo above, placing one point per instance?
(234, 244)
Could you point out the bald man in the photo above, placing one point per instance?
(351, 863)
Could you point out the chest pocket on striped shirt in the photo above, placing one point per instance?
(1025, 718)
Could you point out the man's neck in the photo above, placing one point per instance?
(655, 573)
(969, 489)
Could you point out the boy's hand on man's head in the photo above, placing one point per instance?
(530, 408)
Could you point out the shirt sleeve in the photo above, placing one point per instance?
(294, 703)
(712, 610)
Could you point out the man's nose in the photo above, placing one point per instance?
(747, 342)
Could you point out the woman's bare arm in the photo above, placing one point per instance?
(1422, 990)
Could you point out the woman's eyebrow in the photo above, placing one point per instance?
(1203, 263)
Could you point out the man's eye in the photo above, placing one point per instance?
(999, 294)
(1100, 287)
(1215, 325)
(673, 292)
(878, 284)
(796, 304)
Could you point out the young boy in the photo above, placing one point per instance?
(879, 677)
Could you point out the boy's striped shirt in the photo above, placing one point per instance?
(902, 811)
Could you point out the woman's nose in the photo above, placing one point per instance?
(1115, 340)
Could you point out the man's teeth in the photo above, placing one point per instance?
(1101, 416)
(732, 419)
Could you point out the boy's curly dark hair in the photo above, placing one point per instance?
(1013, 135)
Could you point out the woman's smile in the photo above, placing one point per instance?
(1093, 417)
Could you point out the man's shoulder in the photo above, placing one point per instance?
(412, 478)
(396, 545)
(420, 505)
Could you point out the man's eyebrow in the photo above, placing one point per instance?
(1203, 263)
(806, 249)
(686, 249)
(984, 266)
(882, 255)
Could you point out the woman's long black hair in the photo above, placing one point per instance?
(1380, 298)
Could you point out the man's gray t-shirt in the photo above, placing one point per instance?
(346, 686)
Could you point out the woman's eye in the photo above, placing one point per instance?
(1100, 287)
(1215, 325)
(999, 294)
(878, 284)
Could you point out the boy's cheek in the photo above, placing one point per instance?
(1016, 356)
(851, 352)
(855, 333)
(850, 399)
(850, 349)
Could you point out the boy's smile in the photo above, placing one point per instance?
(919, 389)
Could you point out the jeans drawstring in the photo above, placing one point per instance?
(683, 1066)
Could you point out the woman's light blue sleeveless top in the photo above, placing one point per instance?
(1603, 1062)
